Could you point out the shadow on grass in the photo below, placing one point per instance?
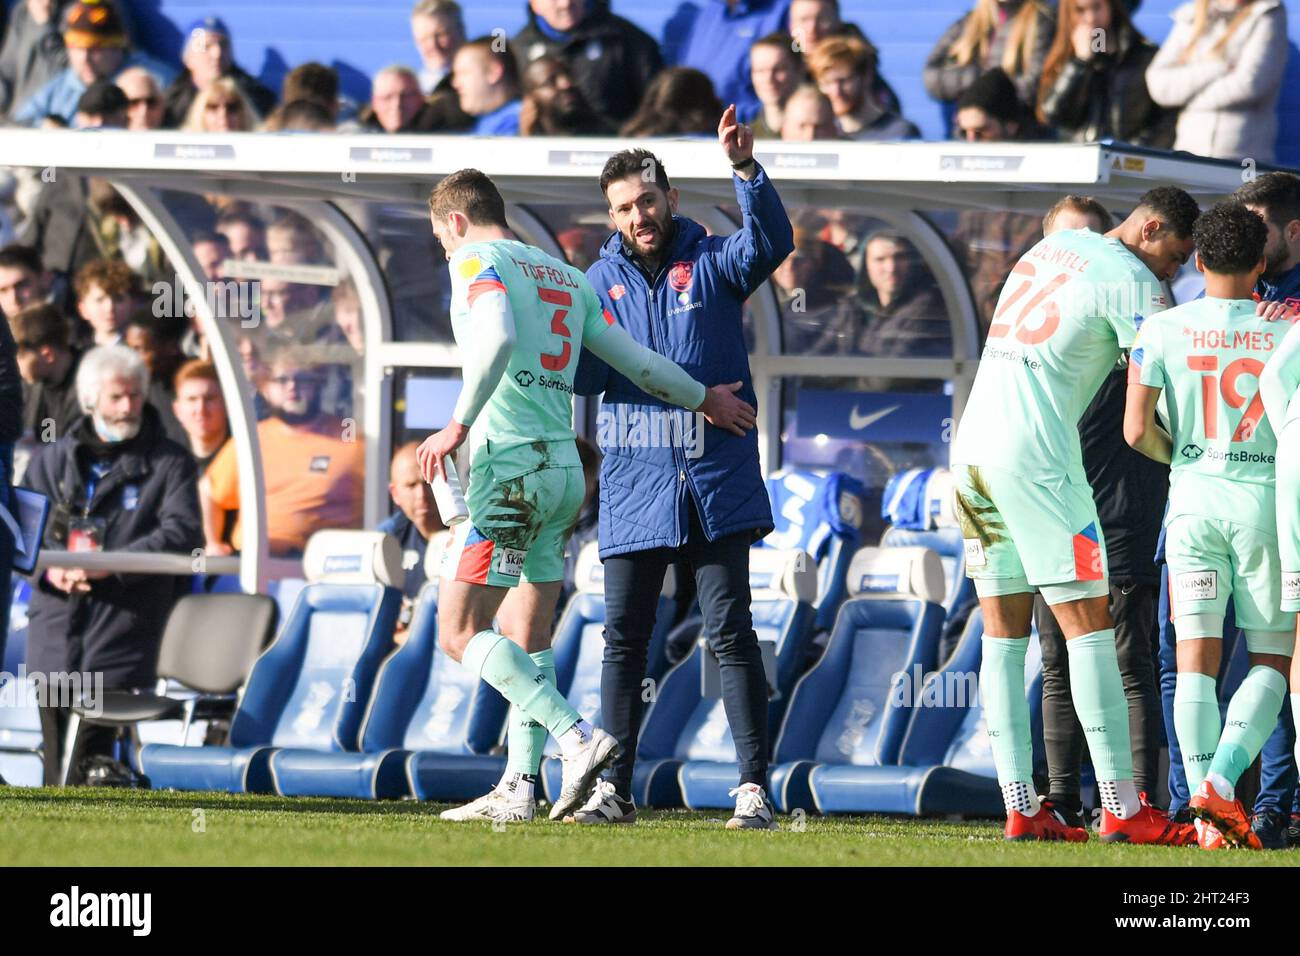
(208, 800)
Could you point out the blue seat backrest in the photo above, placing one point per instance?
(20, 720)
(310, 688)
(948, 544)
(970, 749)
(424, 700)
(947, 697)
(846, 709)
(579, 652)
(822, 514)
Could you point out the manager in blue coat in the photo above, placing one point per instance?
(671, 484)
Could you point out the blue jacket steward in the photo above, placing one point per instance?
(690, 312)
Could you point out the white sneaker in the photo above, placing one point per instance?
(581, 769)
(604, 806)
(753, 810)
(495, 806)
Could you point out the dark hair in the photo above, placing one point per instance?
(678, 101)
(1172, 206)
(633, 162)
(304, 115)
(1230, 238)
(777, 38)
(471, 193)
(995, 94)
(204, 235)
(41, 324)
(1278, 194)
(112, 276)
(162, 329)
(311, 81)
(17, 256)
(232, 216)
(1083, 204)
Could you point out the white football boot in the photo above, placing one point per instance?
(495, 806)
(581, 769)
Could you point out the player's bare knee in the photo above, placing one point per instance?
(453, 641)
(1199, 655)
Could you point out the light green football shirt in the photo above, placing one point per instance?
(1207, 355)
(1069, 307)
(1280, 384)
(528, 421)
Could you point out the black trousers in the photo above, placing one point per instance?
(632, 585)
(91, 741)
(1133, 607)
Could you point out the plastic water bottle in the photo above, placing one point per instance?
(448, 496)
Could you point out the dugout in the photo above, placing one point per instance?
(833, 393)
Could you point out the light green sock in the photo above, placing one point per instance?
(1100, 703)
(1252, 715)
(1006, 710)
(1196, 722)
(504, 665)
(525, 737)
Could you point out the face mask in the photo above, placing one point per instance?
(113, 433)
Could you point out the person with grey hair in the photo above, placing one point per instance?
(438, 29)
(115, 483)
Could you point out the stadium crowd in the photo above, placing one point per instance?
(79, 271)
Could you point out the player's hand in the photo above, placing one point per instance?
(736, 138)
(723, 409)
(437, 446)
(1276, 311)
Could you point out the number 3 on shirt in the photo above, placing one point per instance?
(1051, 312)
(556, 363)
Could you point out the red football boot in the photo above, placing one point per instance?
(1227, 816)
(1149, 826)
(1046, 824)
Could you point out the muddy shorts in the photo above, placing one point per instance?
(518, 526)
(1022, 537)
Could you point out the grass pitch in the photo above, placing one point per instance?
(93, 827)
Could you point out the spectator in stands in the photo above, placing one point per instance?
(291, 240)
(1222, 67)
(312, 464)
(417, 520)
(212, 249)
(990, 112)
(775, 70)
(814, 289)
(291, 311)
(1094, 78)
(299, 116)
(808, 116)
(245, 234)
(1011, 34)
(145, 108)
(1077, 212)
(98, 49)
(24, 280)
(438, 29)
(220, 107)
(32, 52)
(812, 21)
(157, 340)
(103, 105)
(396, 101)
(207, 58)
(611, 60)
(844, 69)
(905, 314)
(315, 82)
(115, 483)
(48, 364)
(103, 288)
(714, 37)
(201, 411)
(679, 101)
(121, 234)
(553, 104)
(487, 84)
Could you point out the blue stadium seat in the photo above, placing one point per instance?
(959, 590)
(686, 732)
(21, 745)
(945, 761)
(427, 729)
(580, 648)
(821, 514)
(847, 716)
(309, 689)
